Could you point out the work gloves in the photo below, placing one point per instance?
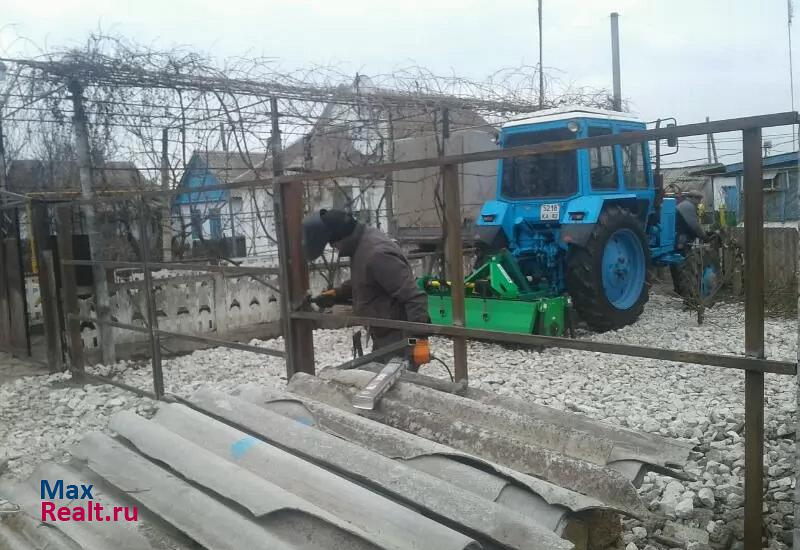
(325, 300)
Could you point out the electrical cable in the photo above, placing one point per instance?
(449, 372)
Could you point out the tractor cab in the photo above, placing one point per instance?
(564, 192)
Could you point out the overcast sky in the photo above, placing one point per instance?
(681, 58)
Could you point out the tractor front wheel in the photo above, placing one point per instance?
(607, 278)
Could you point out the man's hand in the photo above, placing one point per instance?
(325, 300)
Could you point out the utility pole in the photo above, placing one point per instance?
(708, 145)
(615, 61)
(166, 222)
(541, 67)
(101, 297)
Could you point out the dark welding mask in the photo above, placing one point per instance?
(315, 236)
(325, 227)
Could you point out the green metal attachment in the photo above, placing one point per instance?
(499, 297)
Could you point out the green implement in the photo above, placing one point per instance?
(499, 297)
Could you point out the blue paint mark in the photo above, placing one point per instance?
(305, 421)
(239, 448)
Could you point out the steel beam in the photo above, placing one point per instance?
(680, 356)
(69, 296)
(152, 311)
(455, 265)
(753, 336)
(381, 353)
(454, 251)
(288, 205)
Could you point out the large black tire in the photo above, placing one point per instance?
(585, 273)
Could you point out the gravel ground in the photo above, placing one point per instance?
(40, 417)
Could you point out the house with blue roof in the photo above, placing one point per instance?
(202, 215)
(779, 181)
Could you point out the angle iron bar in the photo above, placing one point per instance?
(183, 336)
(680, 356)
(372, 356)
(752, 178)
(86, 377)
(701, 128)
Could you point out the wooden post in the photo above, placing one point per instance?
(40, 225)
(101, 296)
(753, 336)
(69, 294)
(454, 252)
(288, 206)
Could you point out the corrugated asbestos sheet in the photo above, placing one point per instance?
(301, 470)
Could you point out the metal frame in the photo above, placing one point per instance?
(298, 321)
(754, 363)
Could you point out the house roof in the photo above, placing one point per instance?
(783, 160)
(226, 166)
(27, 176)
(689, 177)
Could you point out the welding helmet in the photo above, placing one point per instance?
(325, 227)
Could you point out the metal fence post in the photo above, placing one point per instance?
(454, 252)
(753, 336)
(69, 294)
(152, 312)
(298, 336)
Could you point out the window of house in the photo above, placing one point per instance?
(215, 223)
(633, 166)
(602, 164)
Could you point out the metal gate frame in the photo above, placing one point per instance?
(298, 320)
(298, 324)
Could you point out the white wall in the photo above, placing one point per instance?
(414, 190)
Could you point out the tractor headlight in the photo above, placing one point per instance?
(573, 126)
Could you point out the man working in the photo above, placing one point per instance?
(381, 281)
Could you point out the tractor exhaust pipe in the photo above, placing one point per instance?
(615, 61)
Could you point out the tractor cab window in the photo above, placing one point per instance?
(602, 164)
(546, 175)
(633, 166)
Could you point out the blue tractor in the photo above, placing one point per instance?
(574, 229)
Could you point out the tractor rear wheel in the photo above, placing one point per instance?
(607, 278)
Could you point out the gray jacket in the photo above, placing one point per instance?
(381, 283)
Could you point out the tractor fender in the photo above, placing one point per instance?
(582, 214)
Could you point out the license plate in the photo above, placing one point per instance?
(550, 212)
